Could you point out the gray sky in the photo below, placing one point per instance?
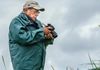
(76, 22)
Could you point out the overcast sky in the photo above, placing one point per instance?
(76, 22)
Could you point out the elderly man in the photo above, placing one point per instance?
(28, 39)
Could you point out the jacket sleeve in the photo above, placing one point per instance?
(23, 36)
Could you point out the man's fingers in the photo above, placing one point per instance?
(46, 31)
(49, 36)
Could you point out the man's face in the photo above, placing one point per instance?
(33, 13)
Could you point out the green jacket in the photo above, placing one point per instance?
(27, 43)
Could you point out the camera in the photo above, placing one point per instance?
(52, 28)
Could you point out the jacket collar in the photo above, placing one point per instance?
(26, 19)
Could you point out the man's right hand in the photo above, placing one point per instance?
(47, 33)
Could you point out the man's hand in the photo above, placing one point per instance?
(46, 30)
(47, 33)
(49, 36)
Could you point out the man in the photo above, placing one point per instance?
(28, 39)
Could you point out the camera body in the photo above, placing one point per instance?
(52, 28)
